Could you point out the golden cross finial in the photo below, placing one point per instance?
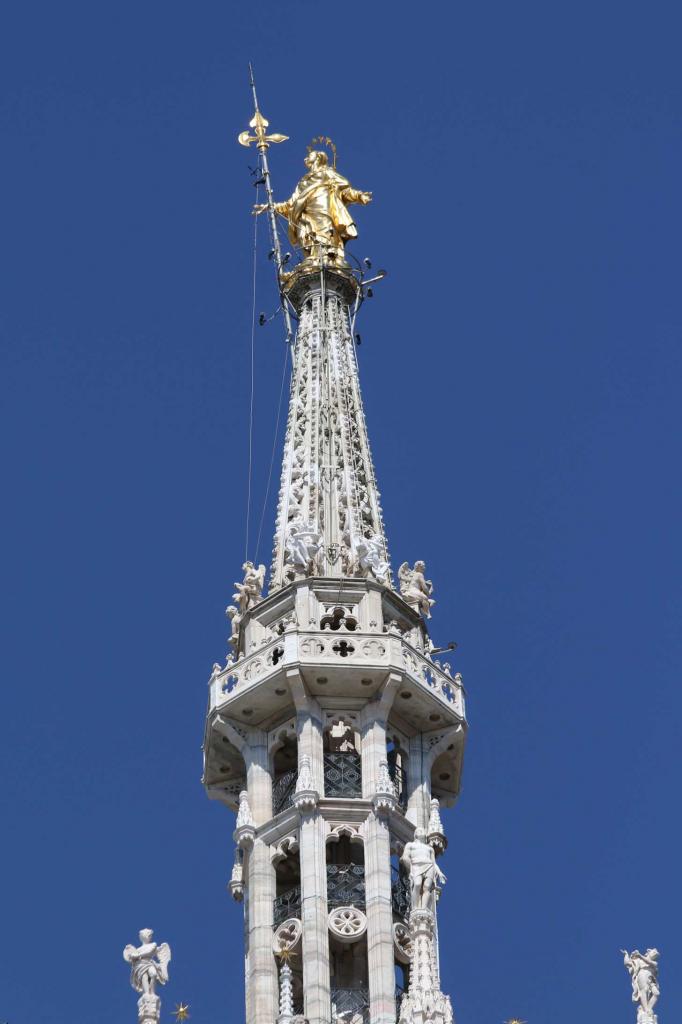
(181, 1011)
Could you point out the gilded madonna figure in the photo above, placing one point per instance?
(317, 212)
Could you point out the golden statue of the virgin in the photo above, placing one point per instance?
(317, 212)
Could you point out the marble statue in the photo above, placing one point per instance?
(302, 544)
(643, 970)
(232, 613)
(317, 212)
(249, 592)
(415, 588)
(372, 557)
(425, 876)
(148, 963)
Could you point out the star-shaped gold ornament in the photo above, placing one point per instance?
(515, 1020)
(181, 1011)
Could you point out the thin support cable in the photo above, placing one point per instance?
(253, 384)
(274, 450)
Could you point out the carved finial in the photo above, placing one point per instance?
(244, 816)
(384, 798)
(305, 795)
(245, 829)
(286, 991)
(436, 835)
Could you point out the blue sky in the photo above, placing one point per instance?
(520, 367)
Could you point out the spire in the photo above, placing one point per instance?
(329, 516)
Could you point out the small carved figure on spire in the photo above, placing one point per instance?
(302, 545)
(250, 591)
(643, 970)
(317, 212)
(148, 966)
(372, 557)
(415, 588)
(232, 613)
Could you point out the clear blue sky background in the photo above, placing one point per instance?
(521, 372)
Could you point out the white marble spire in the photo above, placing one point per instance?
(329, 519)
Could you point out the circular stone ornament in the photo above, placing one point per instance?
(347, 924)
(402, 943)
(288, 936)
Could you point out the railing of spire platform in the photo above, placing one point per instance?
(283, 791)
(346, 885)
(399, 779)
(350, 1001)
(343, 774)
(400, 895)
(287, 904)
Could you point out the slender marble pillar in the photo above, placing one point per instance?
(316, 983)
(379, 919)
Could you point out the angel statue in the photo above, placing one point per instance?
(643, 969)
(148, 963)
(317, 212)
(419, 861)
(415, 588)
(249, 592)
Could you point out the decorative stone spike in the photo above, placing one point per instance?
(286, 993)
(424, 1003)
(236, 883)
(384, 799)
(436, 834)
(245, 831)
(305, 796)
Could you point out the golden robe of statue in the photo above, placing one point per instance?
(317, 212)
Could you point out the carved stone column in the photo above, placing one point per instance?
(262, 988)
(379, 917)
(316, 980)
(148, 1009)
(418, 783)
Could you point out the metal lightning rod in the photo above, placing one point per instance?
(262, 141)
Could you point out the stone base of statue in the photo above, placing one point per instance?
(148, 1009)
(646, 1016)
(424, 1003)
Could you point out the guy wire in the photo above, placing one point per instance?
(253, 382)
(274, 450)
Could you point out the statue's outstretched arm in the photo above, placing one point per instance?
(283, 209)
(353, 195)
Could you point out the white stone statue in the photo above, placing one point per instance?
(372, 558)
(643, 970)
(250, 591)
(148, 963)
(232, 613)
(415, 588)
(302, 544)
(419, 860)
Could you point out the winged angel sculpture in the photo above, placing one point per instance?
(148, 963)
(250, 591)
(643, 970)
(415, 588)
